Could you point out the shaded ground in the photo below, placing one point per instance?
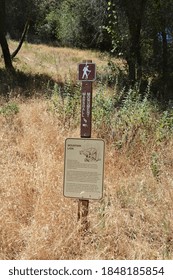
(24, 84)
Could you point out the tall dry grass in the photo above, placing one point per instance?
(134, 220)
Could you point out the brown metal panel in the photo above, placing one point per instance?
(86, 121)
(86, 109)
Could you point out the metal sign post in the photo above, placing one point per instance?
(87, 74)
(84, 157)
(86, 109)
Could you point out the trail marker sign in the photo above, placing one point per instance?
(87, 72)
(84, 157)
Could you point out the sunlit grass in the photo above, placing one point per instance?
(54, 61)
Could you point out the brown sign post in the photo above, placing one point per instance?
(86, 74)
(86, 105)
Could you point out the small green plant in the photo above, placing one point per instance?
(102, 113)
(165, 126)
(155, 165)
(9, 109)
(65, 103)
(112, 75)
(133, 117)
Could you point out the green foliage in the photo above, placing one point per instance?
(112, 75)
(17, 13)
(80, 23)
(69, 30)
(128, 117)
(47, 20)
(123, 117)
(9, 109)
(102, 112)
(116, 27)
(65, 103)
(155, 165)
(48, 29)
(165, 125)
(133, 119)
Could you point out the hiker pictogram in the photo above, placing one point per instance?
(86, 72)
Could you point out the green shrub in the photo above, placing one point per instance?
(102, 113)
(65, 103)
(134, 117)
(80, 23)
(112, 75)
(165, 125)
(124, 118)
(155, 165)
(9, 109)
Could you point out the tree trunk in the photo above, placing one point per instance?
(138, 50)
(21, 40)
(134, 12)
(6, 52)
(3, 41)
(135, 59)
(164, 57)
(132, 63)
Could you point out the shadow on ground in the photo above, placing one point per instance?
(25, 84)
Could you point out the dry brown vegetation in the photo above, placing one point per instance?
(134, 220)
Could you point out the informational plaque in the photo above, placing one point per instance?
(84, 168)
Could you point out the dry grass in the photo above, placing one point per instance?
(134, 220)
(58, 63)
